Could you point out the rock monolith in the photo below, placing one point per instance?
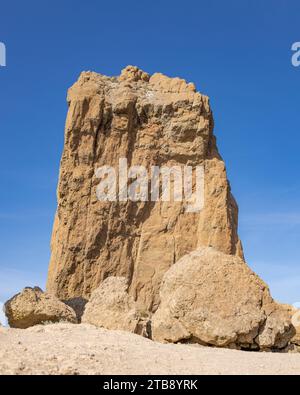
(151, 120)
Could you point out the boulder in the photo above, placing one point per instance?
(215, 299)
(32, 306)
(111, 307)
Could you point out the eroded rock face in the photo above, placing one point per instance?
(32, 306)
(215, 299)
(111, 307)
(150, 120)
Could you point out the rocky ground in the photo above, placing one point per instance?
(84, 349)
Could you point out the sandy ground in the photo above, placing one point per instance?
(84, 349)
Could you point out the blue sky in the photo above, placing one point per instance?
(237, 52)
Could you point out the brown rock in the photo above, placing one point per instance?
(32, 306)
(295, 313)
(78, 305)
(150, 120)
(111, 307)
(211, 298)
(277, 329)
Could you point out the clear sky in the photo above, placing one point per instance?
(236, 52)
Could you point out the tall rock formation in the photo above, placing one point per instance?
(150, 120)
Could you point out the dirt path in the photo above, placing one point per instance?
(84, 349)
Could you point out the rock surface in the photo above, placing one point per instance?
(111, 307)
(277, 330)
(32, 306)
(84, 349)
(78, 305)
(211, 298)
(296, 322)
(150, 120)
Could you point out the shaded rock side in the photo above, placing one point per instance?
(32, 306)
(111, 307)
(212, 298)
(150, 120)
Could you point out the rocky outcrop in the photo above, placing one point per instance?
(212, 298)
(32, 306)
(111, 307)
(149, 120)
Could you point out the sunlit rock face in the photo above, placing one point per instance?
(151, 121)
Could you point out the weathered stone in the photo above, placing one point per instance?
(295, 314)
(32, 306)
(78, 305)
(150, 120)
(215, 299)
(277, 329)
(111, 307)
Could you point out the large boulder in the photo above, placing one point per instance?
(32, 306)
(111, 307)
(212, 298)
(151, 121)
